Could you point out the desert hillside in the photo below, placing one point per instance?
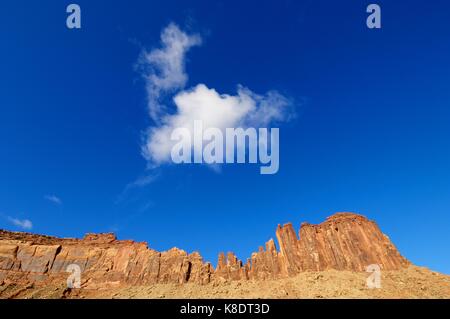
(410, 282)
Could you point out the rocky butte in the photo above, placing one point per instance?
(345, 241)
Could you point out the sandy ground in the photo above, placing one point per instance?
(412, 282)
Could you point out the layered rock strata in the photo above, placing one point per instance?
(345, 241)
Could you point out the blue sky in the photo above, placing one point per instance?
(371, 132)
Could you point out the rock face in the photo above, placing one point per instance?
(345, 241)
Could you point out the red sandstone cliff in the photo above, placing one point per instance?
(344, 241)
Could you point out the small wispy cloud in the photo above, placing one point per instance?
(140, 182)
(54, 199)
(146, 206)
(22, 223)
(143, 181)
(164, 68)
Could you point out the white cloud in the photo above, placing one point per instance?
(244, 109)
(163, 69)
(54, 199)
(22, 223)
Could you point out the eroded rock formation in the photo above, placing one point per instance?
(344, 241)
